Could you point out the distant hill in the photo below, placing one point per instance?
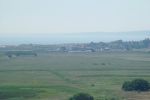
(80, 37)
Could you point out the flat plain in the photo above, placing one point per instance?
(57, 76)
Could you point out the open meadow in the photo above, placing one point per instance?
(57, 76)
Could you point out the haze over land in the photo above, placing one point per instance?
(84, 37)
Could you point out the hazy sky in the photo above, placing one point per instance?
(49, 17)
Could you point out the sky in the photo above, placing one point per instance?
(23, 21)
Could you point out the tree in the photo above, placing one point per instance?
(136, 85)
(9, 56)
(82, 96)
(127, 86)
(140, 85)
(146, 42)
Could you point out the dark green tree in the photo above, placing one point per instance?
(9, 56)
(82, 96)
(136, 85)
(127, 86)
(140, 85)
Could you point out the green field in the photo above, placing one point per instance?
(57, 76)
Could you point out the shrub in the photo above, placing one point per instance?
(9, 56)
(82, 96)
(127, 86)
(136, 85)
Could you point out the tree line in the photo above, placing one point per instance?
(120, 44)
(20, 53)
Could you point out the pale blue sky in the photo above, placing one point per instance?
(49, 17)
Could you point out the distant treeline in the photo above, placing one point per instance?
(119, 44)
(78, 47)
(19, 53)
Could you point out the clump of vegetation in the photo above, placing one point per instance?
(103, 64)
(92, 85)
(136, 85)
(10, 54)
(82, 96)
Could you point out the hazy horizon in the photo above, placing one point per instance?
(83, 37)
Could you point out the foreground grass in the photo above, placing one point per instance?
(57, 76)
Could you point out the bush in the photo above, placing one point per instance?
(82, 96)
(127, 86)
(136, 85)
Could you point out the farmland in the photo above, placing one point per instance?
(57, 76)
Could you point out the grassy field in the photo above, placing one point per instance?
(57, 76)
